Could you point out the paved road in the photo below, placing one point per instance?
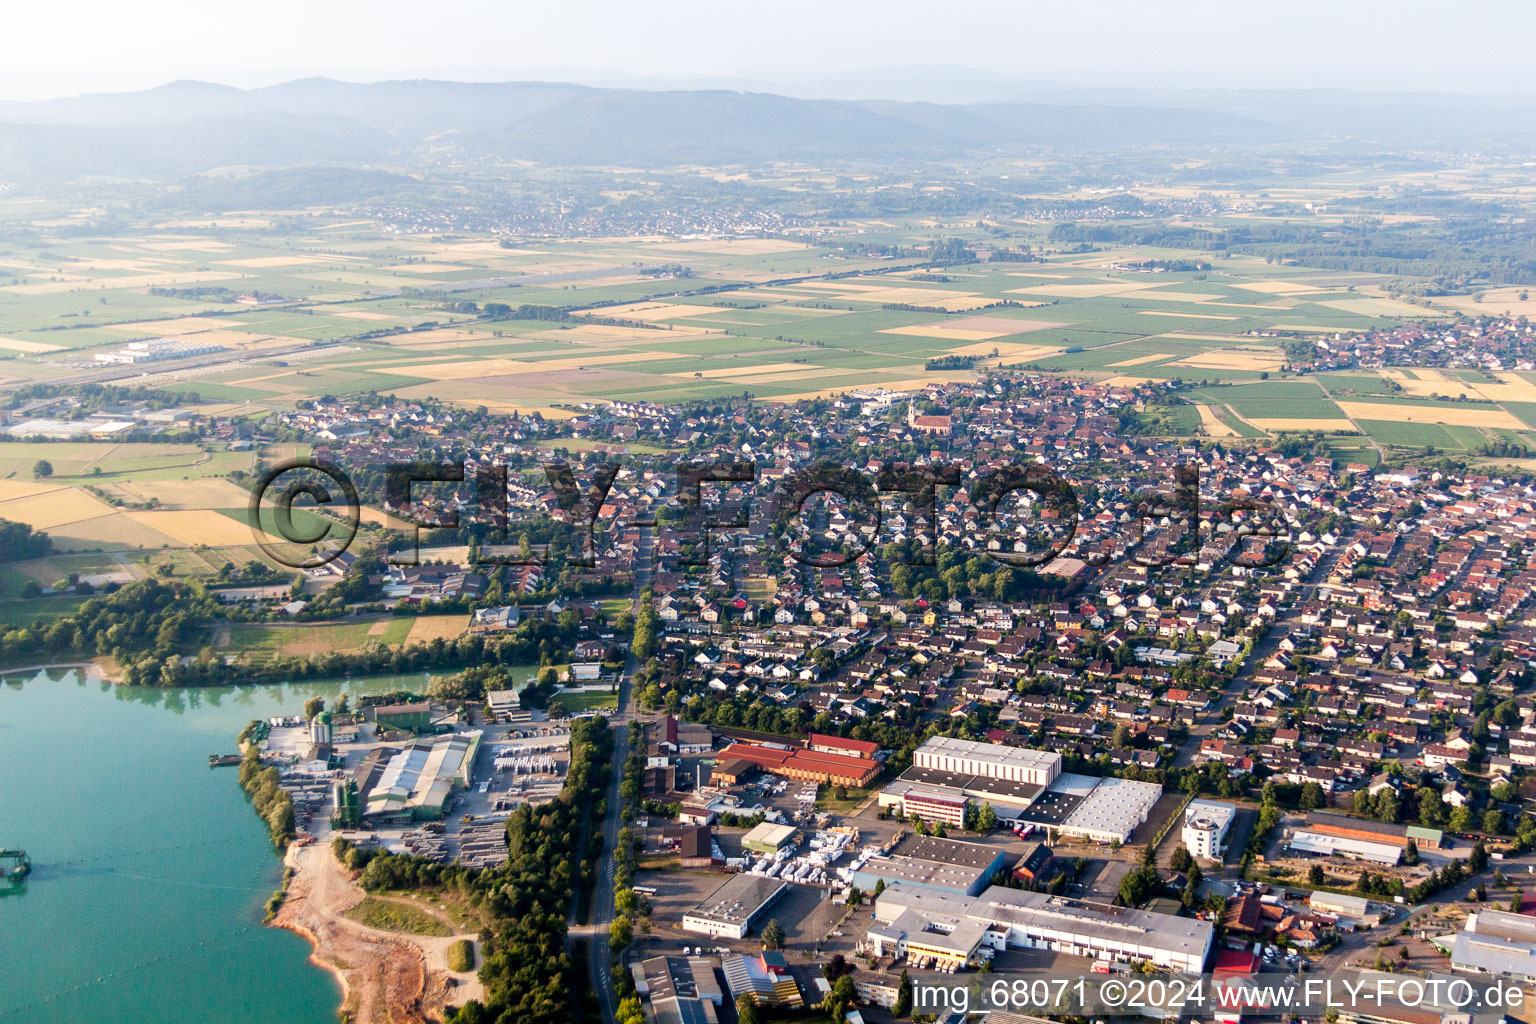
(602, 911)
(1209, 721)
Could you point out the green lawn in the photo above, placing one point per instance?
(396, 917)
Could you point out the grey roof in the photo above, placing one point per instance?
(738, 899)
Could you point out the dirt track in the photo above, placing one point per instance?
(386, 977)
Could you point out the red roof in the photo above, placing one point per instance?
(805, 760)
(1235, 961)
(857, 748)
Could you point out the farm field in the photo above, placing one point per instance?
(351, 310)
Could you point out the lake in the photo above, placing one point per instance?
(150, 869)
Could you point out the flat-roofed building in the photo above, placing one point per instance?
(732, 910)
(1206, 824)
(1494, 942)
(766, 837)
(1013, 918)
(1111, 810)
(503, 703)
(929, 862)
(992, 760)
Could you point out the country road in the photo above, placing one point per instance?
(601, 911)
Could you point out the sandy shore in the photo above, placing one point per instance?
(386, 977)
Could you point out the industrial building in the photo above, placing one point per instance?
(1101, 810)
(415, 783)
(678, 989)
(990, 760)
(415, 717)
(1000, 918)
(806, 765)
(1375, 831)
(934, 794)
(1328, 845)
(949, 774)
(768, 838)
(735, 908)
(1206, 824)
(1340, 905)
(763, 978)
(156, 349)
(1494, 942)
(928, 862)
(1378, 842)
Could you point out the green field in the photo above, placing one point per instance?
(390, 916)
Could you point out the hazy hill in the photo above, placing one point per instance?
(189, 127)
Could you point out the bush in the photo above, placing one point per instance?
(461, 956)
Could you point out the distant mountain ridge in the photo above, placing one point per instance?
(188, 127)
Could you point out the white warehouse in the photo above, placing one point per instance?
(990, 760)
(1011, 918)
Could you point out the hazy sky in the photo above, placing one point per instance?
(61, 47)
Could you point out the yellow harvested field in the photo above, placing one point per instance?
(363, 314)
(942, 332)
(1276, 425)
(1425, 383)
(1127, 382)
(1189, 316)
(378, 518)
(440, 336)
(1160, 295)
(25, 488)
(1080, 291)
(192, 527)
(263, 262)
(427, 628)
(18, 345)
(1154, 357)
(653, 311)
(1444, 413)
(134, 281)
(1318, 329)
(1228, 359)
(1008, 348)
(734, 246)
(911, 384)
(1212, 425)
(749, 370)
(474, 369)
(1376, 307)
(115, 531)
(1276, 287)
(1495, 301)
(184, 325)
(428, 268)
(54, 508)
(208, 246)
(784, 376)
(939, 298)
(188, 494)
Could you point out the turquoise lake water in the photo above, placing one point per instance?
(150, 869)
